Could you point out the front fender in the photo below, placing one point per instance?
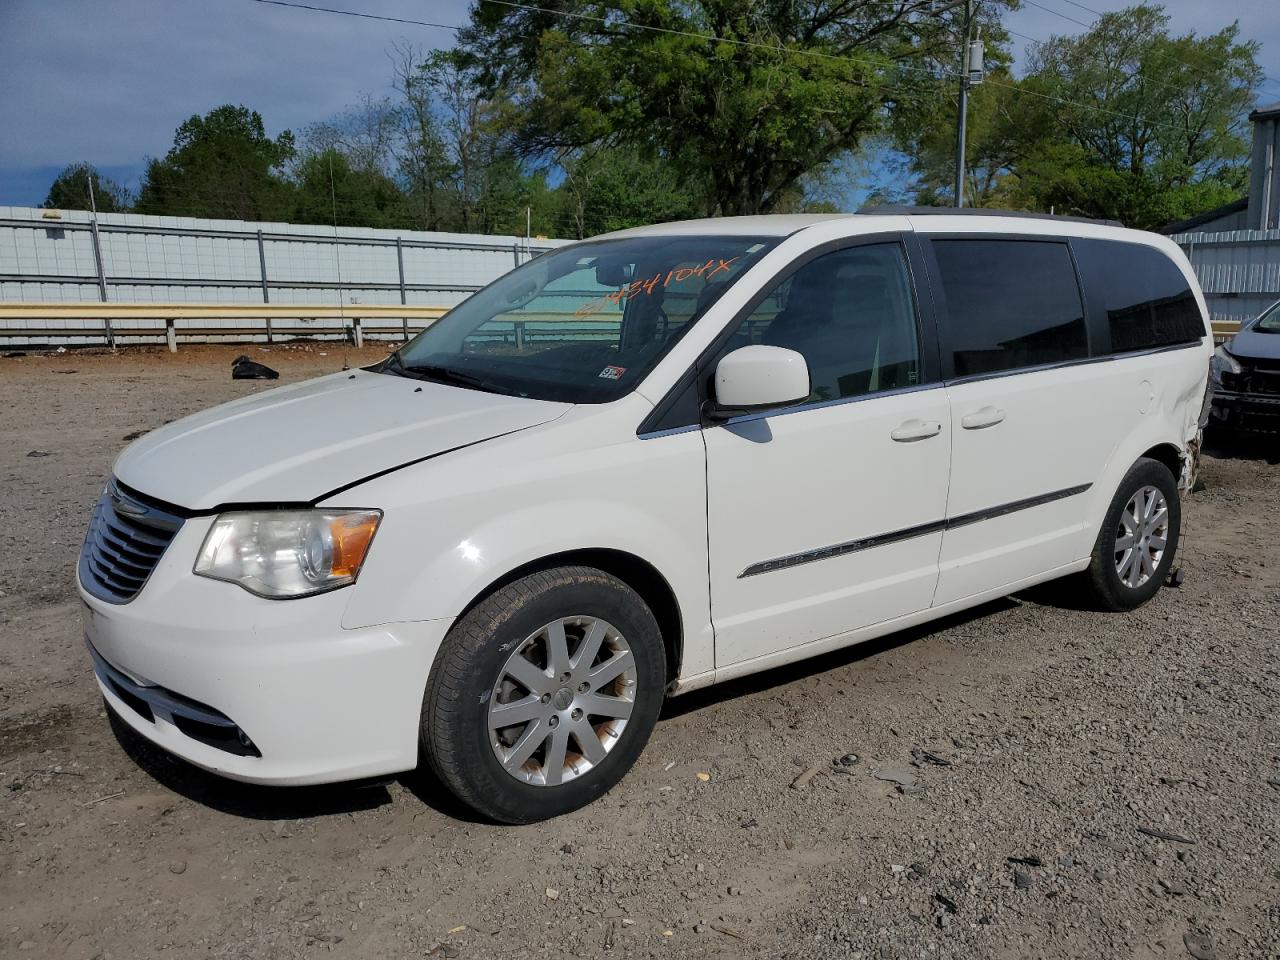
(455, 525)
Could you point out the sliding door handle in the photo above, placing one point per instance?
(983, 418)
(914, 429)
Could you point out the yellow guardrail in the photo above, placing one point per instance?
(109, 321)
(1225, 330)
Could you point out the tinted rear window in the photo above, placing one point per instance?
(1010, 304)
(1148, 300)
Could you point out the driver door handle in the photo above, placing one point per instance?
(915, 429)
(982, 418)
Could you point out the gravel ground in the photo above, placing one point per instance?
(1025, 780)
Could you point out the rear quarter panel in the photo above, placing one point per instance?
(1172, 406)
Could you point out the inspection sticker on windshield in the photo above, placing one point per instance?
(612, 373)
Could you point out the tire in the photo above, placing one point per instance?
(501, 654)
(1104, 582)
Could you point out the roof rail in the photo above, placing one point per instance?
(907, 210)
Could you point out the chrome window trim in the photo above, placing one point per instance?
(669, 432)
(1080, 362)
(825, 404)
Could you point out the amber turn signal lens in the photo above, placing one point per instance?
(351, 536)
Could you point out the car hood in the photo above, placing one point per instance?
(295, 444)
(1250, 344)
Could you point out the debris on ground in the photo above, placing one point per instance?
(802, 781)
(242, 368)
(1200, 945)
(899, 775)
(924, 756)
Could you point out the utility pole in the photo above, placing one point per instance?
(970, 75)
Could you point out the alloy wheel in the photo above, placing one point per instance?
(1141, 537)
(562, 700)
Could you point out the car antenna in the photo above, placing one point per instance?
(337, 256)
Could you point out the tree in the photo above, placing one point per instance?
(456, 161)
(366, 134)
(70, 191)
(424, 165)
(1150, 127)
(739, 101)
(612, 189)
(330, 191)
(1123, 122)
(1002, 126)
(221, 165)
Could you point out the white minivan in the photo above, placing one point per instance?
(639, 465)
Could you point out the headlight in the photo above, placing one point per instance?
(1221, 363)
(288, 553)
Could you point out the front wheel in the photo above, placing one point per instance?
(1138, 540)
(543, 695)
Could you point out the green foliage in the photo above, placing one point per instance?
(1124, 122)
(221, 165)
(999, 129)
(778, 90)
(328, 190)
(1067, 179)
(70, 191)
(1150, 126)
(612, 189)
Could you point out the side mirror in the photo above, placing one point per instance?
(758, 378)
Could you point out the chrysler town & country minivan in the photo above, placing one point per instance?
(636, 466)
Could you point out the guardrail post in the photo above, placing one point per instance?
(515, 248)
(356, 333)
(519, 334)
(171, 335)
(262, 273)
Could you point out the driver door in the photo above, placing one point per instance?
(827, 516)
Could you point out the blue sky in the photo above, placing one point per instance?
(108, 81)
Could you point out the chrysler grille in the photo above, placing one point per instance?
(127, 537)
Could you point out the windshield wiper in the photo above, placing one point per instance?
(440, 374)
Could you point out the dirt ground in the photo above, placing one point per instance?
(1085, 785)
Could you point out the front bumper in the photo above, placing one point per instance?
(1247, 411)
(264, 691)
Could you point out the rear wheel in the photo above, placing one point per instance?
(543, 695)
(1138, 540)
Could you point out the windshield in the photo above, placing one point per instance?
(581, 324)
(1269, 322)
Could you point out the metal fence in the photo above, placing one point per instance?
(1239, 270)
(68, 277)
(54, 265)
